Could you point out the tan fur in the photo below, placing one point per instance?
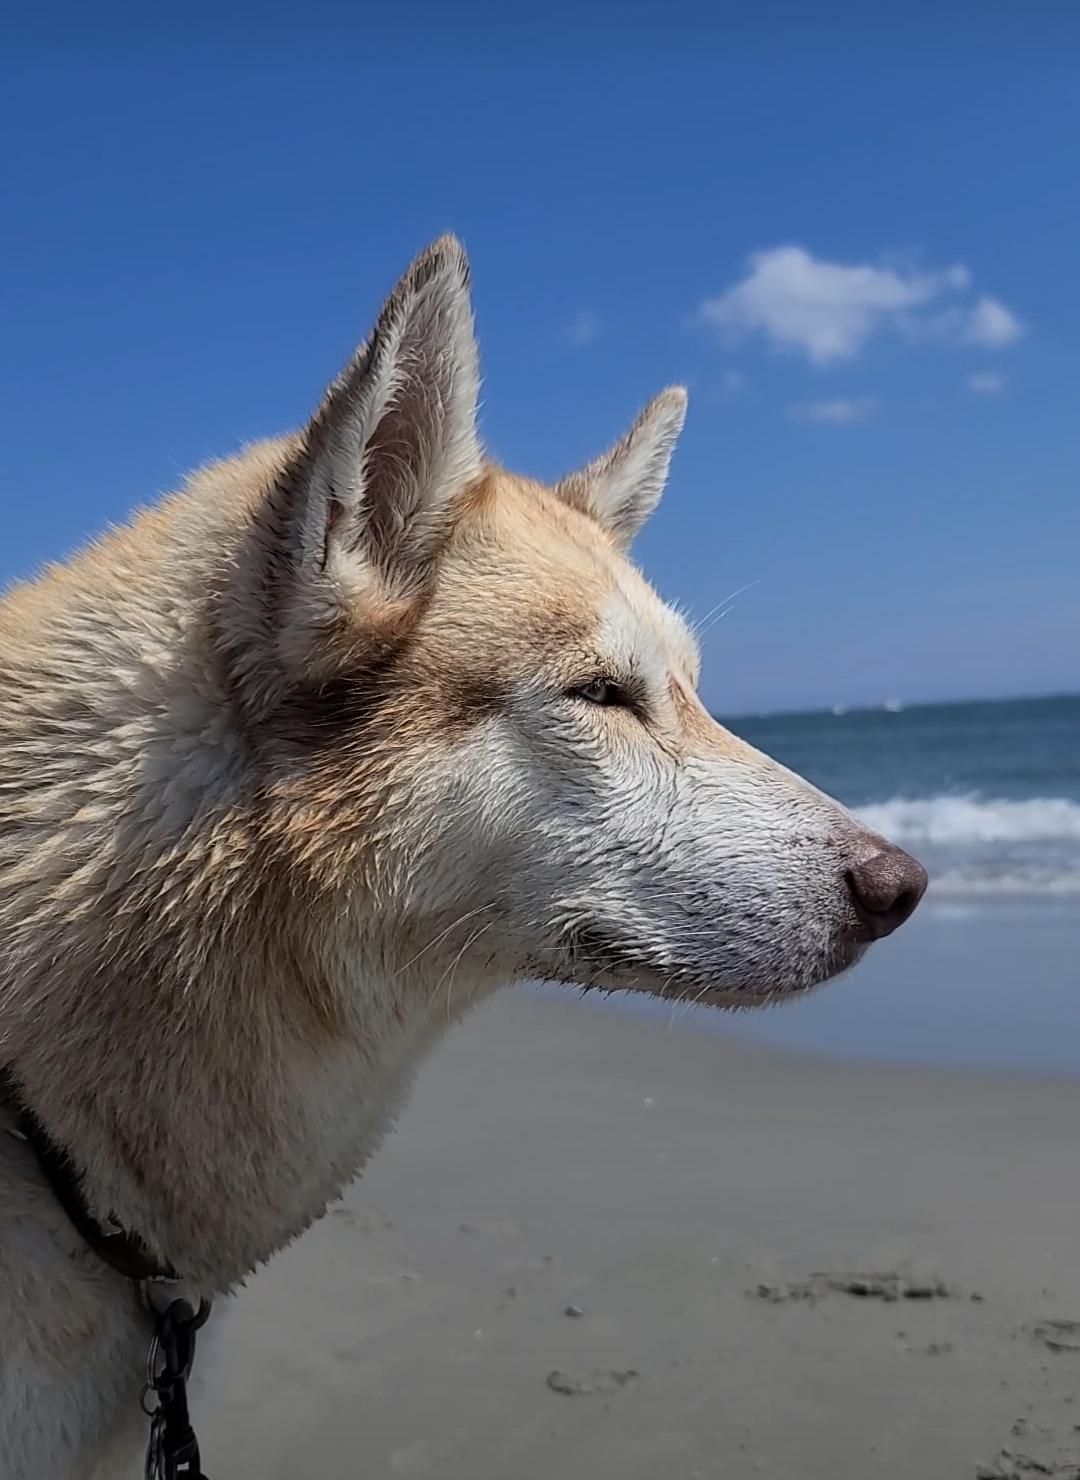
(699, 732)
(175, 909)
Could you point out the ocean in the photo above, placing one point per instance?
(987, 974)
(986, 794)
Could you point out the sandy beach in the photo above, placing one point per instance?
(604, 1247)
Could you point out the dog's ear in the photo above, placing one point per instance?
(394, 442)
(620, 489)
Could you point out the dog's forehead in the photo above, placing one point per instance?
(518, 554)
(528, 523)
(542, 562)
(638, 624)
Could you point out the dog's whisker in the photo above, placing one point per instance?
(675, 1014)
(701, 627)
(468, 915)
(457, 962)
(694, 1000)
(476, 934)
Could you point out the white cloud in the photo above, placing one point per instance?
(833, 413)
(986, 383)
(828, 311)
(991, 324)
(584, 328)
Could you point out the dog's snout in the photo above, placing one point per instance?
(885, 888)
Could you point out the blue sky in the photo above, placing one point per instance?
(852, 230)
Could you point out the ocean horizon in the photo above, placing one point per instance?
(891, 705)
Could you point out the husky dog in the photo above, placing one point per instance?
(355, 726)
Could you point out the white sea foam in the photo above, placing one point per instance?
(975, 845)
(956, 821)
(1035, 881)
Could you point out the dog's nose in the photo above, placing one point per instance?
(885, 889)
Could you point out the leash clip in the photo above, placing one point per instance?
(173, 1450)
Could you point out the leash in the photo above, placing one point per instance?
(173, 1450)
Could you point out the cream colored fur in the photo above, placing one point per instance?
(295, 768)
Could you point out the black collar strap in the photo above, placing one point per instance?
(123, 1251)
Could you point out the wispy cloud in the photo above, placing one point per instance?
(991, 324)
(986, 383)
(584, 328)
(828, 311)
(837, 413)
(732, 382)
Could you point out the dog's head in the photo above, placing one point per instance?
(480, 725)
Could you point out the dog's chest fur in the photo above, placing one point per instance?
(75, 1338)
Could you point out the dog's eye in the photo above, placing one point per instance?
(600, 691)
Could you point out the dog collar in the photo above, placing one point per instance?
(118, 1247)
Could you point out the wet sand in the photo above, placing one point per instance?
(602, 1248)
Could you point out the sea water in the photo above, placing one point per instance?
(987, 795)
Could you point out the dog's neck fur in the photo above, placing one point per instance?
(161, 913)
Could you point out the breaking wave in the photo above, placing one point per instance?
(985, 845)
(946, 820)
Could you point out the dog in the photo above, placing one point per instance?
(304, 761)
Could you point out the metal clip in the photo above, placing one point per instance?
(173, 1450)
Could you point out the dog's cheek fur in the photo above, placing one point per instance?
(691, 870)
(666, 834)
